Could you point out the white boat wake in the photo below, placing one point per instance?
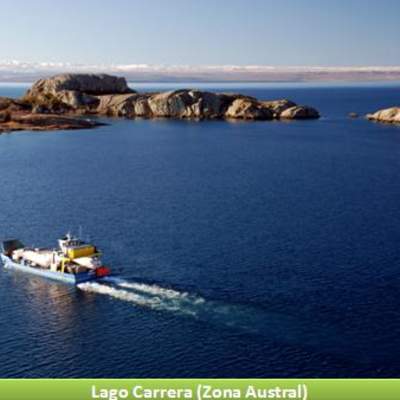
(146, 295)
(246, 318)
(159, 298)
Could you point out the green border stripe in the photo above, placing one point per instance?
(199, 389)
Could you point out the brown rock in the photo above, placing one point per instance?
(168, 104)
(206, 105)
(390, 115)
(352, 115)
(72, 91)
(5, 102)
(45, 122)
(245, 108)
(95, 84)
(141, 107)
(13, 105)
(53, 121)
(185, 104)
(5, 116)
(278, 106)
(117, 105)
(78, 94)
(299, 112)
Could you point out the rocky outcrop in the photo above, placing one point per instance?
(169, 104)
(5, 116)
(245, 108)
(16, 115)
(299, 112)
(54, 103)
(13, 105)
(44, 122)
(352, 115)
(185, 104)
(194, 104)
(94, 84)
(111, 96)
(66, 92)
(5, 102)
(278, 106)
(389, 115)
(117, 105)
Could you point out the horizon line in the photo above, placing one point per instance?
(15, 70)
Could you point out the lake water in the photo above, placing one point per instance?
(248, 249)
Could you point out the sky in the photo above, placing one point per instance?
(202, 32)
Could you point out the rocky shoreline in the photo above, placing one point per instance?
(111, 96)
(60, 102)
(66, 101)
(47, 122)
(17, 115)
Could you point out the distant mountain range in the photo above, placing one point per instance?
(17, 71)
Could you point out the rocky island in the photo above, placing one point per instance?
(388, 115)
(60, 102)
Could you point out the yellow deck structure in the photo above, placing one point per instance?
(81, 251)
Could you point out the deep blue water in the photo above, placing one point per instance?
(279, 242)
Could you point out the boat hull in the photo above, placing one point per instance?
(58, 276)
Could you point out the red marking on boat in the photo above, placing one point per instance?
(102, 271)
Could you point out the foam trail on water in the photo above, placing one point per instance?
(162, 292)
(148, 299)
(119, 294)
(155, 290)
(162, 299)
(275, 326)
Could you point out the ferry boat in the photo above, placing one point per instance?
(75, 261)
